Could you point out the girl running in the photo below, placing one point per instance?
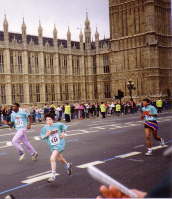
(53, 134)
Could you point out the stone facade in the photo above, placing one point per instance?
(38, 70)
(141, 46)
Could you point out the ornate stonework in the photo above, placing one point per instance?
(141, 46)
(38, 70)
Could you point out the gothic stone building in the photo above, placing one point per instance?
(141, 46)
(38, 70)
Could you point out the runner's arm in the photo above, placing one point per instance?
(10, 124)
(153, 112)
(63, 131)
(44, 134)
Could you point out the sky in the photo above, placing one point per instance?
(62, 13)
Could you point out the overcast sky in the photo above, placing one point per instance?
(63, 13)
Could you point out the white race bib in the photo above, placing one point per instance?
(54, 139)
(19, 123)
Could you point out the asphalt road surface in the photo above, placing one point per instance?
(116, 145)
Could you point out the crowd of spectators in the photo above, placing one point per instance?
(70, 112)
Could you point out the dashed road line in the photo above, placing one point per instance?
(39, 174)
(83, 166)
(139, 146)
(38, 178)
(128, 154)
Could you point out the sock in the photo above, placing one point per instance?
(53, 172)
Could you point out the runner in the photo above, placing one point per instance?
(53, 134)
(149, 113)
(21, 120)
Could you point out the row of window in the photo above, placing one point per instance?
(17, 92)
(16, 63)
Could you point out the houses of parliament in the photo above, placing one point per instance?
(39, 70)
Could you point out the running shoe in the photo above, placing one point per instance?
(148, 153)
(162, 142)
(35, 156)
(21, 156)
(69, 169)
(52, 178)
(9, 197)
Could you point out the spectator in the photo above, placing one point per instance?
(103, 110)
(67, 112)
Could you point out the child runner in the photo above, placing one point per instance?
(21, 120)
(149, 113)
(53, 134)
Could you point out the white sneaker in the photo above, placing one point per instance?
(148, 153)
(52, 178)
(162, 142)
(21, 157)
(69, 168)
(35, 156)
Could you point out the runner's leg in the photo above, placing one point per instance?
(27, 144)
(53, 159)
(148, 141)
(68, 165)
(148, 137)
(155, 135)
(16, 141)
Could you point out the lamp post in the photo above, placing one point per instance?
(130, 86)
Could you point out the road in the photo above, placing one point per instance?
(115, 145)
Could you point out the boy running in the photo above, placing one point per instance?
(53, 134)
(21, 120)
(149, 113)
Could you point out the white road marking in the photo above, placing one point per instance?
(83, 166)
(159, 147)
(3, 142)
(139, 146)
(9, 143)
(3, 147)
(99, 127)
(116, 127)
(7, 134)
(37, 179)
(81, 133)
(39, 174)
(134, 124)
(37, 138)
(128, 154)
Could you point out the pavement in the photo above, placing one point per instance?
(115, 145)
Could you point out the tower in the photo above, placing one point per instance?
(40, 34)
(55, 37)
(23, 28)
(141, 40)
(6, 34)
(81, 40)
(97, 39)
(68, 38)
(87, 33)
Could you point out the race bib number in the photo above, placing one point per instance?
(19, 123)
(54, 139)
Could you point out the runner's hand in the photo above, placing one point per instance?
(48, 133)
(113, 192)
(29, 126)
(142, 117)
(62, 135)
